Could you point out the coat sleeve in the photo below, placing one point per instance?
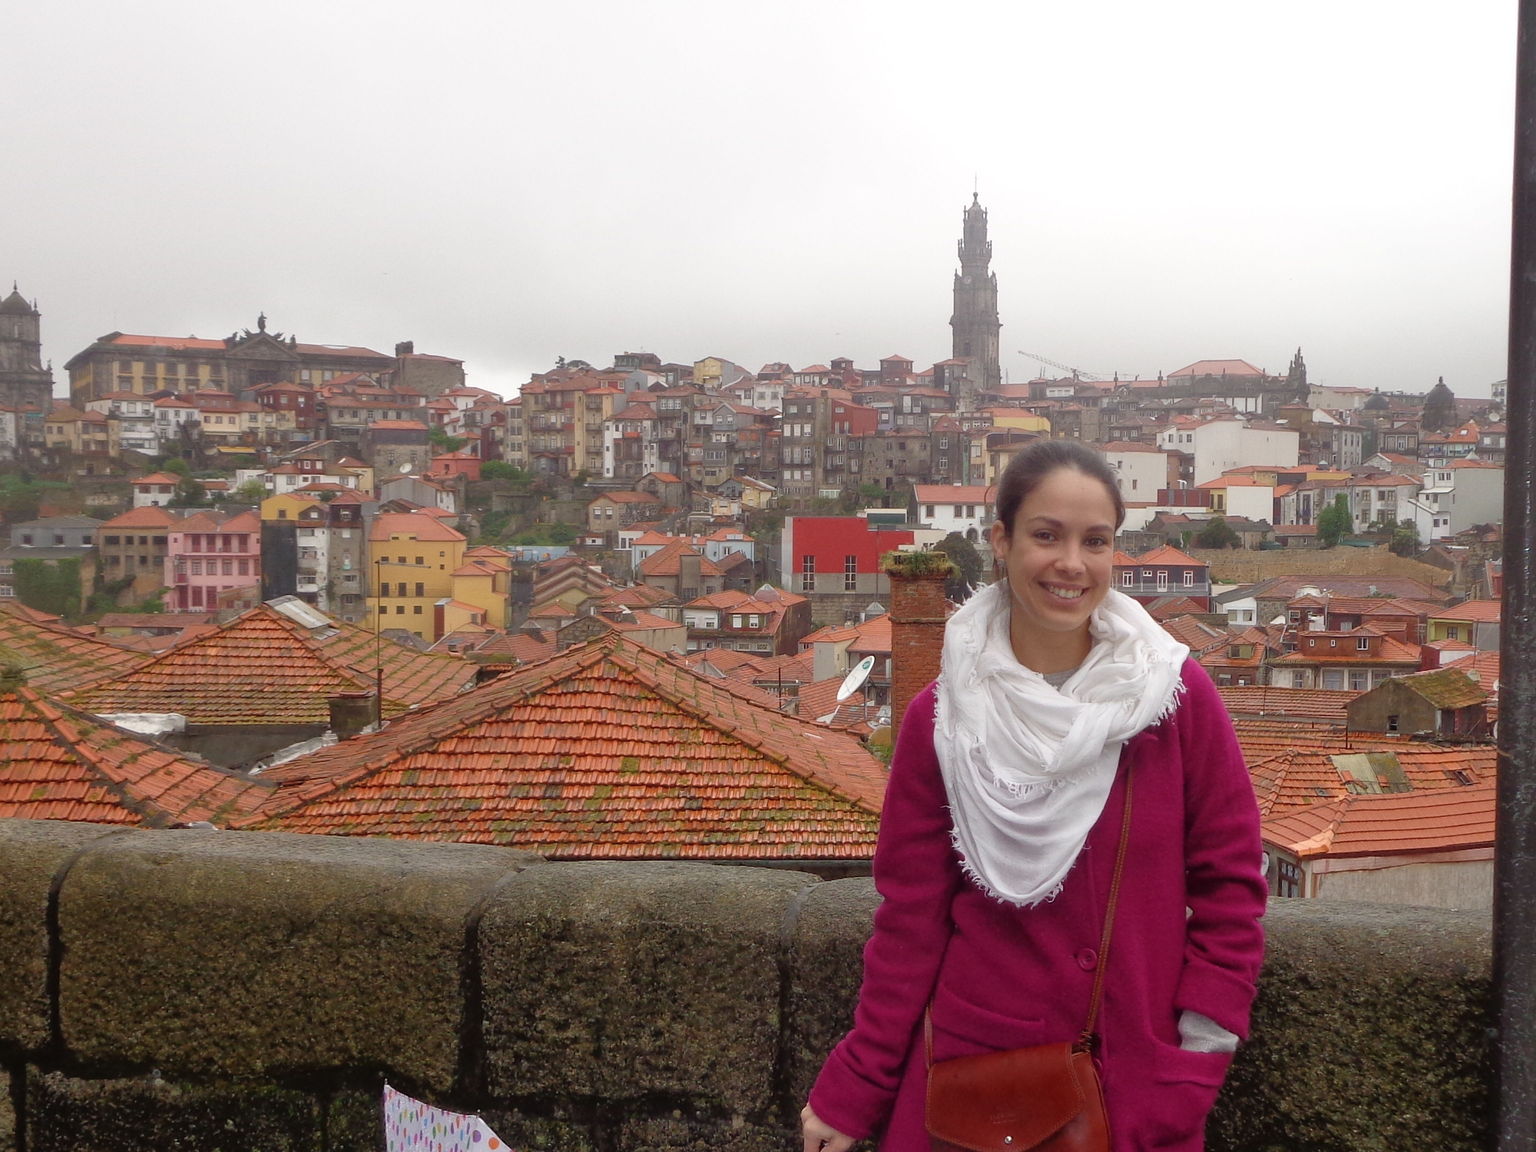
(916, 872)
(1225, 887)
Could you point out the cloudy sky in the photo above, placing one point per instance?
(510, 182)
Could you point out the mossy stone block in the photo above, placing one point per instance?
(621, 981)
(826, 965)
(1370, 1033)
(65, 1114)
(33, 853)
(255, 954)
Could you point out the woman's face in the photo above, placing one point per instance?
(1058, 554)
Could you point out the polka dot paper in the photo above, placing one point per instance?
(411, 1126)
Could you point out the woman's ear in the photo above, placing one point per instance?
(997, 536)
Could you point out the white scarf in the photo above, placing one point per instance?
(1028, 767)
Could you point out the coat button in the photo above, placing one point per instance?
(1087, 959)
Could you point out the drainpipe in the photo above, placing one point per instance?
(1514, 898)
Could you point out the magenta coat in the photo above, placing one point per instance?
(1004, 977)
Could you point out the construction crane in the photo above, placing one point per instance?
(1077, 373)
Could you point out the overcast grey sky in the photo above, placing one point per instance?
(511, 182)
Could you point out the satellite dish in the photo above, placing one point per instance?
(405, 466)
(855, 679)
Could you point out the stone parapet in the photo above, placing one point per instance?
(235, 990)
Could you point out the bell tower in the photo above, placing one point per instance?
(974, 321)
(24, 382)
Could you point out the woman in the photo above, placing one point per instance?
(1001, 822)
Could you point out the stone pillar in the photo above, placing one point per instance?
(918, 612)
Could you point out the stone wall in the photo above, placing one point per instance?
(223, 991)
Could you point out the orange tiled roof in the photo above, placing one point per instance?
(1324, 704)
(147, 517)
(56, 658)
(668, 561)
(264, 668)
(1398, 824)
(1476, 611)
(1365, 762)
(608, 750)
(57, 763)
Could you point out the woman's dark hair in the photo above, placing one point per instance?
(1033, 464)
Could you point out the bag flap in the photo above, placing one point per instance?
(1004, 1101)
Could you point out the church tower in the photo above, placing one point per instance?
(24, 382)
(975, 320)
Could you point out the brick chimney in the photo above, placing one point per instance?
(918, 612)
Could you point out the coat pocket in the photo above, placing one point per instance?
(961, 1028)
(1183, 1089)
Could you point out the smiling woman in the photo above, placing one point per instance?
(1007, 804)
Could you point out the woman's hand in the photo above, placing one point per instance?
(821, 1136)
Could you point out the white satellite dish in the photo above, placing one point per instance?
(855, 679)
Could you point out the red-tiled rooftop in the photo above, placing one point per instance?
(606, 751)
(1366, 762)
(264, 668)
(1402, 823)
(55, 658)
(57, 763)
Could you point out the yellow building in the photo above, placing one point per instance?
(412, 557)
(286, 506)
(483, 584)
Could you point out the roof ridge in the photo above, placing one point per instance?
(755, 741)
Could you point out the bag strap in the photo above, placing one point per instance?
(1088, 1040)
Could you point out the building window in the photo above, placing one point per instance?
(1363, 643)
(850, 573)
(416, 609)
(421, 589)
(1128, 579)
(1162, 580)
(1189, 578)
(807, 573)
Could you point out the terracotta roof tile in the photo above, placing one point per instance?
(264, 668)
(606, 751)
(1360, 763)
(56, 658)
(57, 763)
(1403, 823)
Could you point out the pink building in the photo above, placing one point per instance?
(209, 553)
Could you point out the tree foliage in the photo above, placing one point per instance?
(443, 442)
(48, 585)
(189, 493)
(251, 492)
(1405, 539)
(968, 565)
(1218, 534)
(1334, 522)
(501, 470)
(176, 466)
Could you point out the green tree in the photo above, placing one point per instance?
(501, 470)
(1405, 539)
(176, 466)
(251, 492)
(48, 585)
(1334, 522)
(967, 567)
(189, 493)
(443, 442)
(1218, 534)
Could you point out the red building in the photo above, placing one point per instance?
(835, 560)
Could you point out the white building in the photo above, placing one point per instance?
(1141, 471)
(1224, 442)
(946, 508)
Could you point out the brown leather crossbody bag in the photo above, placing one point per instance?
(1044, 1098)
